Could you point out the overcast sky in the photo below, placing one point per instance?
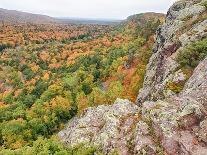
(107, 9)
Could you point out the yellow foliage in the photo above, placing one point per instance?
(59, 102)
(44, 56)
(46, 76)
(34, 67)
(82, 102)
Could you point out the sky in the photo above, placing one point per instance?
(96, 9)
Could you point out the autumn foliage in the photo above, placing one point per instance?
(50, 73)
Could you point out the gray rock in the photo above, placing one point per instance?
(183, 26)
(196, 86)
(202, 133)
(108, 126)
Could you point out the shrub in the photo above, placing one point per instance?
(204, 3)
(29, 74)
(86, 88)
(193, 54)
(176, 87)
(52, 146)
(83, 150)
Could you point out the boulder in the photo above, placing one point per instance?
(110, 127)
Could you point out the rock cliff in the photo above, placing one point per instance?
(186, 22)
(163, 121)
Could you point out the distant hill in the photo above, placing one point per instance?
(143, 18)
(88, 21)
(146, 16)
(143, 24)
(19, 17)
(12, 16)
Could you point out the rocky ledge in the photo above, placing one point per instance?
(110, 127)
(176, 125)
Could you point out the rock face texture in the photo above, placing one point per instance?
(186, 22)
(196, 86)
(107, 126)
(162, 122)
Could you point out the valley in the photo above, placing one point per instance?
(104, 87)
(51, 72)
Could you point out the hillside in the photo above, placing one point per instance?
(14, 17)
(142, 19)
(143, 24)
(134, 88)
(18, 17)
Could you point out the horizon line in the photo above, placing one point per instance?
(79, 18)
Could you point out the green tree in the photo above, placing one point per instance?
(86, 88)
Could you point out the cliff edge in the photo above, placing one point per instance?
(170, 116)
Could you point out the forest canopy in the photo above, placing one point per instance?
(51, 73)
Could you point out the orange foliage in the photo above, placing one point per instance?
(44, 56)
(46, 76)
(17, 93)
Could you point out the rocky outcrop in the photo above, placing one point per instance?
(162, 122)
(114, 128)
(186, 22)
(177, 125)
(110, 127)
(180, 121)
(196, 86)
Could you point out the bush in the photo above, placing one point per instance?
(193, 54)
(51, 146)
(204, 3)
(86, 88)
(83, 150)
(176, 87)
(28, 73)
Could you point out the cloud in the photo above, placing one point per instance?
(88, 8)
